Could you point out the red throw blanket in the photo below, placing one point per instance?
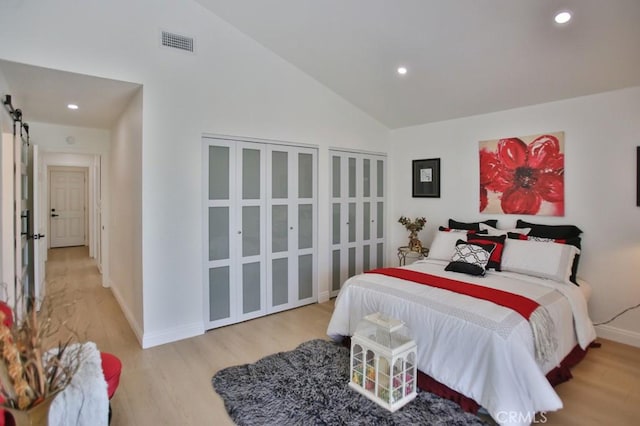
(520, 304)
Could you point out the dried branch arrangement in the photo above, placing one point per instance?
(30, 369)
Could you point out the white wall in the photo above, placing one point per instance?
(125, 223)
(601, 135)
(7, 260)
(231, 85)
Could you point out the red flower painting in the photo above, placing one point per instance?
(523, 175)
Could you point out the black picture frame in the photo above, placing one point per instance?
(426, 178)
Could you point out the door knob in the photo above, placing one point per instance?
(54, 215)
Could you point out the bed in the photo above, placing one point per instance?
(475, 347)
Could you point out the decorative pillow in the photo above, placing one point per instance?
(471, 226)
(466, 231)
(496, 255)
(539, 259)
(465, 268)
(490, 230)
(550, 231)
(443, 245)
(574, 241)
(470, 258)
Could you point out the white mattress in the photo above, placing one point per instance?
(478, 348)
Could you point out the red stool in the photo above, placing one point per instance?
(111, 368)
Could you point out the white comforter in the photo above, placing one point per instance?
(480, 349)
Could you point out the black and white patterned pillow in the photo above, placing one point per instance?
(470, 258)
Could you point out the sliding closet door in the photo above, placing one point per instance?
(219, 225)
(251, 216)
(236, 269)
(291, 242)
(261, 229)
(357, 214)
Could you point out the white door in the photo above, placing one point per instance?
(291, 218)
(356, 215)
(67, 207)
(260, 227)
(250, 230)
(235, 288)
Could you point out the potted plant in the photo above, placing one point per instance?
(413, 226)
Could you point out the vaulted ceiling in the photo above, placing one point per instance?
(464, 57)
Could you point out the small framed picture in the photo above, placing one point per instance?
(426, 178)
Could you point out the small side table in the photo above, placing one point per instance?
(404, 253)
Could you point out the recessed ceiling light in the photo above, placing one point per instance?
(402, 70)
(72, 106)
(563, 17)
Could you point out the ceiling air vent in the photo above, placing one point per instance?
(177, 41)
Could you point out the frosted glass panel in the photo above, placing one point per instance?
(336, 223)
(218, 233)
(279, 231)
(336, 176)
(305, 175)
(352, 261)
(380, 175)
(250, 287)
(305, 276)
(305, 226)
(219, 291)
(280, 281)
(380, 220)
(352, 222)
(279, 174)
(352, 177)
(250, 230)
(218, 173)
(250, 174)
(366, 178)
(380, 255)
(335, 271)
(366, 258)
(25, 187)
(366, 221)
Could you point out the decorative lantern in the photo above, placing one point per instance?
(383, 361)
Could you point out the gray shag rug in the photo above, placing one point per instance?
(309, 386)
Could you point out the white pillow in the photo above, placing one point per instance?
(444, 245)
(539, 259)
(497, 232)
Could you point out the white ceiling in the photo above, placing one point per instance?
(465, 57)
(43, 94)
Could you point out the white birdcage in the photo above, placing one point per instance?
(383, 361)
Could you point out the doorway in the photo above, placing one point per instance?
(68, 206)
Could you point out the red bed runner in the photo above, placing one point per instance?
(520, 304)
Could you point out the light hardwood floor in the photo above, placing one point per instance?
(171, 384)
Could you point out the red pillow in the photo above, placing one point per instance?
(495, 261)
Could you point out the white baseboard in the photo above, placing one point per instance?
(323, 297)
(137, 330)
(618, 335)
(172, 334)
(148, 340)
